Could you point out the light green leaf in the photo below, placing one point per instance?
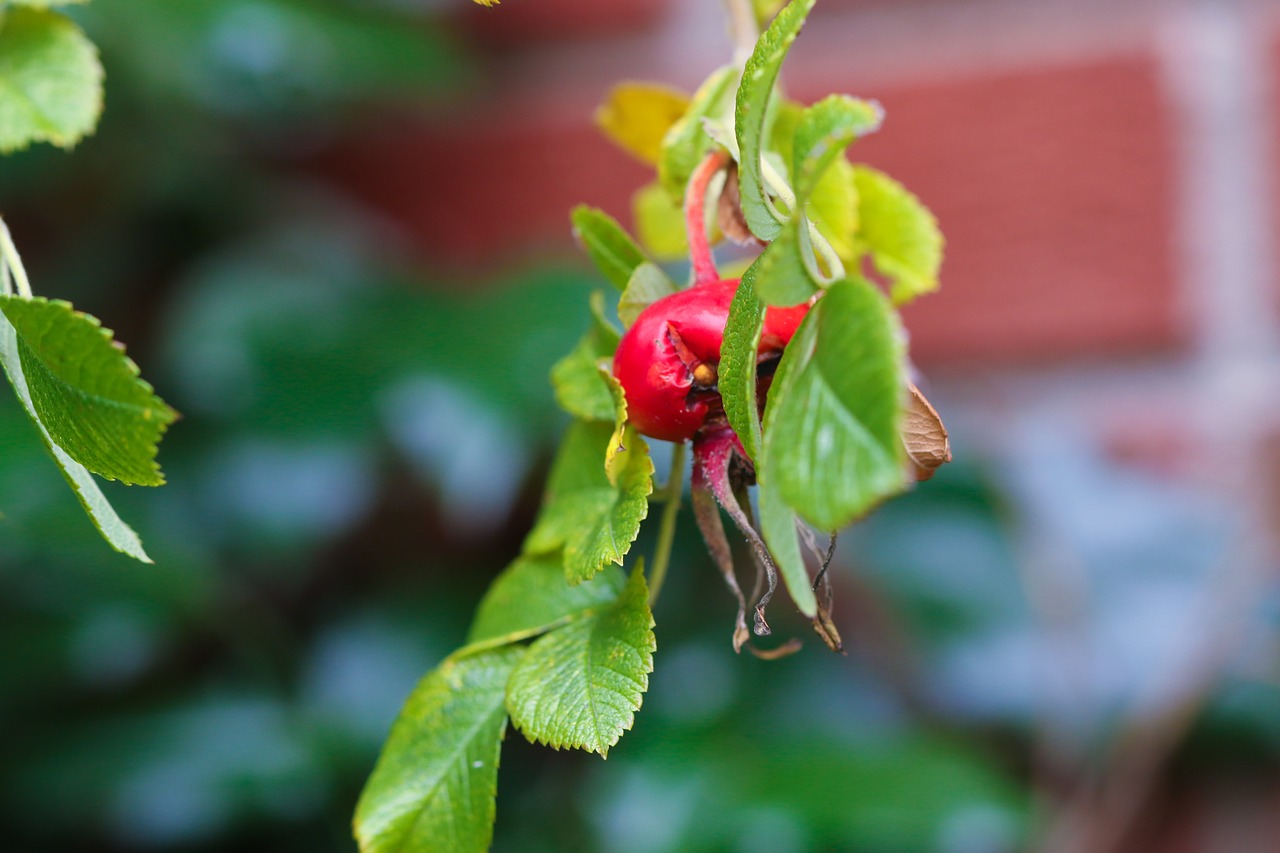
(608, 245)
(50, 80)
(900, 233)
(580, 685)
(659, 223)
(594, 520)
(648, 284)
(786, 272)
(579, 388)
(87, 392)
(766, 9)
(752, 103)
(823, 133)
(686, 143)
(832, 446)
(738, 358)
(778, 526)
(435, 782)
(636, 116)
(118, 534)
(532, 596)
(833, 208)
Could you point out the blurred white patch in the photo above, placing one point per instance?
(460, 446)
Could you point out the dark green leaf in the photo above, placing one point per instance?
(686, 142)
(648, 284)
(579, 388)
(754, 93)
(435, 782)
(778, 526)
(87, 391)
(118, 534)
(900, 233)
(532, 596)
(609, 246)
(593, 519)
(832, 446)
(580, 685)
(738, 357)
(50, 80)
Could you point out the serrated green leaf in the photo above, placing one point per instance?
(738, 357)
(50, 80)
(778, 526)
(637, 116)
(751, 106)
(579, 388)
(580, 685)
(87, 392)
(823, 133)
(434, 785)
(608, 245)
(832, 447)
(686, 143)
(592, 519)
(659, 223)
(899, 232)
(532, 596)
(119, 535)
(648, 284)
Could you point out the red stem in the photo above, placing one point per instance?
(695, 221)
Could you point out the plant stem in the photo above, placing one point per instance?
(742, 28)
(13, 261)
(695, 217)
(667, 532)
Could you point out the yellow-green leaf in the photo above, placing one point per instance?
(899, 232)
(660, 223)
(636, 116)
(50, 80)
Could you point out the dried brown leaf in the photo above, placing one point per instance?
(924, 435)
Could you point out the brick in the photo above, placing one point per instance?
(1056, 190)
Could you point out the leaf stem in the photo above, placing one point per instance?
(667, 532)
(13, 263)
(695, 217)
(743, 28)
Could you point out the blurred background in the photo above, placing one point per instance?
(334, 234)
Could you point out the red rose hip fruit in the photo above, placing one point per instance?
(667, 362)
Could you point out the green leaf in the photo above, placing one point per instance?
(686, 143)
(579, 388)
(87, 392)
(789, 270)
(766, 9)
(435, 782)
(119, 535)
(778, 526)
(609, 246)
(636, 116)
(833, 208)
(823, 133)
(50, 80)
(738, 358)
(648, 284)
(580, 685)
(659, 223)
(532, 596)
(832, 446)
(752, 103)
(900, 233)
(594, 520)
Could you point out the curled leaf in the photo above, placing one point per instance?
(924, 435)
(729, 216)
